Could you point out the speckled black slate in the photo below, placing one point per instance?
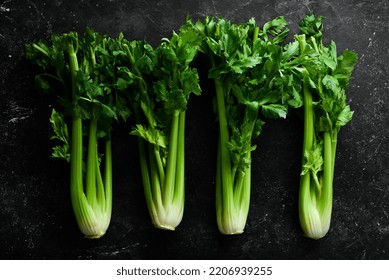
(36, 219)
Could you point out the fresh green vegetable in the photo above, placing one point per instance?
(256, 76)
(325, 80)
(159, 83)
(81, 70)
(252, 77)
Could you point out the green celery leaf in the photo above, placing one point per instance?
(346, 63)
(41, 84)
(313, 159)
(189, 80)
(332, 84)
(153, 136)
(344, 117)
(325, 123)
(60, 130)
(122, 84)
(291, 50)
(276, 28)
(312, 26)
(274, 111)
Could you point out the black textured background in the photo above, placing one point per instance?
(36, 219)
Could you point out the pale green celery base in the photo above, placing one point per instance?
(95, 229)
(170, 218)
(234, 226)
(233, 221)
(316, 224)
(232, 217)
(95, 224)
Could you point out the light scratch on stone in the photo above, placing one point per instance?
(214, 7)
(48, 23)
(307, 3)
(17, 119)
(3, 8)
(371, 41)
(240, 7)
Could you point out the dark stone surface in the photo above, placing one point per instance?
(36, 216)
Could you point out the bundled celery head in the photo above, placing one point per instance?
(83, 68)
(159, 85)
(252, 76)
(325, 80)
